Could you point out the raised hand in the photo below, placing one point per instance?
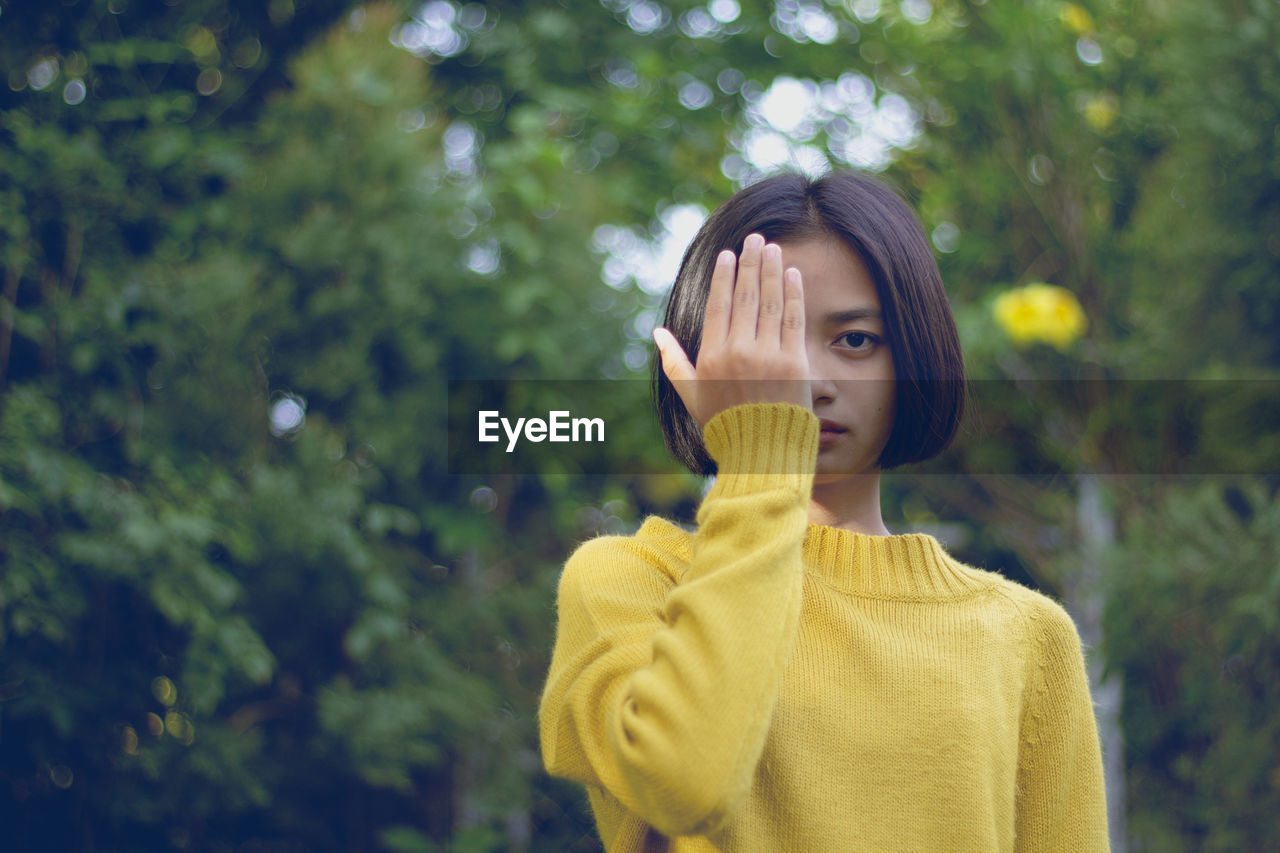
(752, 348)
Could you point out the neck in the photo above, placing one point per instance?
(851, 503)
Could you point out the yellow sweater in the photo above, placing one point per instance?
(766, 684)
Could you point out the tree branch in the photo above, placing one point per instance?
(12, 275)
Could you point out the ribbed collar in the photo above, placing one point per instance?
(911, 566)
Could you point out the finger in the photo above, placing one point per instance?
(675, 364)
(715, 321)
(771, 297)
(793, 311)
(678, 368)
(746, 294)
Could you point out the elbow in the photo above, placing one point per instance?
(675, 808)
(678, 785)
(706, 823)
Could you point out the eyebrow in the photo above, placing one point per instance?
(837, 317)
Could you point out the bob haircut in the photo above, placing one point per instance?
(879, 227)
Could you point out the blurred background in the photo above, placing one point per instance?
(245, 606)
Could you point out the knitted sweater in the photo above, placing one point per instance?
(766, 684)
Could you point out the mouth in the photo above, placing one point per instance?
(830, 432)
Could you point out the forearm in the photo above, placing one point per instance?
(670, 715)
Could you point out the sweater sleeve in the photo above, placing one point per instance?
(1061, 796)
(662, 684)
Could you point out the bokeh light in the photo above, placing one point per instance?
(288, 415)
(724, 11)
(164, 691)
(129, 741)
(1089, 51)
(74, 92)
(945, 237)
(917, 11)
(484, 499)
(209, 81)
(42, 74)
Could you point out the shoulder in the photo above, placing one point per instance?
(1050, 640)
(1045, 624)
(658, 543)
(643, 565)
(1051, 626)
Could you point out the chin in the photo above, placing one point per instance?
(825, 476)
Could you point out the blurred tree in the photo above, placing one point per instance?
(241, 601)
(1193, 624)
(225, 347)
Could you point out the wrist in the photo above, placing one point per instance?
(778, 440)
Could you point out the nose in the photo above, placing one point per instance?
(822, 390)
(821, 387)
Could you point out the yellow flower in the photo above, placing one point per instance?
(1042, 313)
(1076, 18)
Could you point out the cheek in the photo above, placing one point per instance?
(886, 385)
(879, 395)
(884, 406)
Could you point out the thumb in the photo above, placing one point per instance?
(674, 362)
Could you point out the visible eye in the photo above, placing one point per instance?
(859, 341)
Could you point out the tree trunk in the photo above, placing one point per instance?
(1085, 598)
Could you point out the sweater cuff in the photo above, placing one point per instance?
(777, 442)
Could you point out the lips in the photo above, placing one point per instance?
(831, 427)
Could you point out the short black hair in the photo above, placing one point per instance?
(881, 229)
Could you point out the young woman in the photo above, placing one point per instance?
(791, 676)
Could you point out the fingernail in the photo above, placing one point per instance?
(725, 258)
(772, 251)
(753, 241)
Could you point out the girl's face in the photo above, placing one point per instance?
(850, 364)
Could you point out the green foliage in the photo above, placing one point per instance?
(253, 210)
(346, 633)
(1193, 622)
